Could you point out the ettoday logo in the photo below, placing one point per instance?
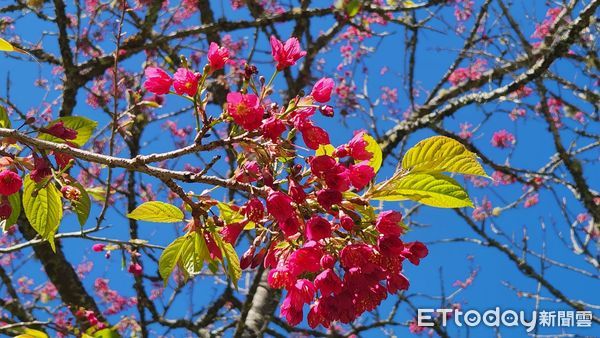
(507, 318)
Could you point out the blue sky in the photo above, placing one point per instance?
(446, 261)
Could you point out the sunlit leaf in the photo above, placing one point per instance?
(234, 271)
(83, 205)
(15, 203)
(194, 253)
(32, 333)
(352, 8)
(43, 208)
(325, 149)
(169, 258)
(432, 189)
(156, 211)
(4, 120)
(442, 154)
(228, 215)
(97, 193)
(107, 333)
(374, 148)
(84, 127)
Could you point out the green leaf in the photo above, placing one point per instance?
(6, 46)
(32, 333)
(156, 211)
(366, 211)
(193, 255)
(84, 127)
(234, 271)
(432, 189)
(83, 205)
(4, 120)
(325, 149)
(352, 8)
(169, 258)
(43, 208)
(188, 252)
(228, 215)
(15, 203)
(97, 193)
(107, 333)
(373, 148)
(442, 154)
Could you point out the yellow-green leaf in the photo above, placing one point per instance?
(373, 148)
(352, 8)
(97, 193)
(234, 271)
(228, 215)
(193, 255)
(187, 252)
(83, 205)
(432, 189)
(156, 211)
(6, 46)
(107, 333)
(32, 333)
(84, 127)
(169, 258)
(325, 149)
(4, 120)
(43, 208)
(15, 203)
(442, 154)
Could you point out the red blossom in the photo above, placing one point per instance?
(361, 175)
(157, 81)
(135, 269)
(245, 109)
(318, 228)
(321, 91)
(414, 252)
(217, 56)
(248, 172)
(185, 82)
(232, 231)
(10, 182)
(279, 205)
(314, 136)
(389, 223)
(296, 191)
(254, 210)
(390, 245)
(321, 164)
(272, 128)
(328, 282)
(357, 148)
(59, 130)
(290, 226)
(503, 139)
(98, 247)
(5, 210)
(338, 178)
(287, 54)
(329, 197)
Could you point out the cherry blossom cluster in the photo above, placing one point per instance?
(323, 243)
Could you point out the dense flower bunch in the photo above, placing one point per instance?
(325, 244)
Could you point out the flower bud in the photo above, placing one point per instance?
(71, 193)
